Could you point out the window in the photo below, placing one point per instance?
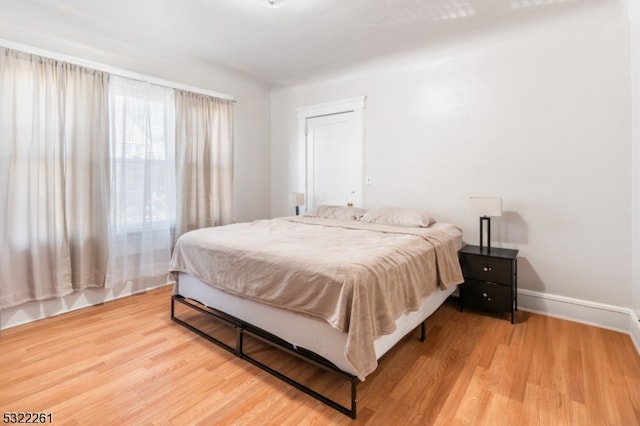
(88, 167)
(142, 156)
(142, 179)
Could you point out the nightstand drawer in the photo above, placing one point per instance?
(486, 268)
(486, 295)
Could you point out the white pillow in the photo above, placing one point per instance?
(336, 212)
(398, 216)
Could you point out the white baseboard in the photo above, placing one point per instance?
(33, 311)
(597, 314)
(634, 329)
(601, 315)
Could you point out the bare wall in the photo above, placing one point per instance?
(634, 14)
(538, 115)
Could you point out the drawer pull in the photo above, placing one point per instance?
(486, 268)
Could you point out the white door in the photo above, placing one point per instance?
(334, 160)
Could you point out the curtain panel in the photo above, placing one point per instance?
(99, 174)
(204, 161)
(53, 187)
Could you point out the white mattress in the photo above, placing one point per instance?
(299, 330)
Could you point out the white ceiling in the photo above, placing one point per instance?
(281, 46)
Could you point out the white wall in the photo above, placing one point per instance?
(634, 13)
(538, 115)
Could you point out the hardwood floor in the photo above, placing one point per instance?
(125, 362)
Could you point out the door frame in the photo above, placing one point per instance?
(355, 105)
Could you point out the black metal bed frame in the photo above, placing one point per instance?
(244, 328)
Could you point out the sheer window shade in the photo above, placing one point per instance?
(142, 208)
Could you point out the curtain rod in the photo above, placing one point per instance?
(111, 70)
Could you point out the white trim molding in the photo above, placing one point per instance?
(634, 329)
(34, 311)
(592, 313)
(335, 107)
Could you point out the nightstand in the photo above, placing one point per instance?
(490, 278)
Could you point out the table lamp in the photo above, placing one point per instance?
(297, 199)
(485, 207)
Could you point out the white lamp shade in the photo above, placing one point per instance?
(485, 206)
(296, 199)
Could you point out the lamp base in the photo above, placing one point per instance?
(488, 220)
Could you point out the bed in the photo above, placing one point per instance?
(360, 279)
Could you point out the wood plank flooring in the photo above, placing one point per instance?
(126, 363)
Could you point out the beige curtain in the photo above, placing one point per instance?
(53, 175)
(87, 175)
(204, 161)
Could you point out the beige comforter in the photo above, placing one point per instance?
(358, 277)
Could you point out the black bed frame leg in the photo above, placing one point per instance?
(239, 342)
(354, 400)
(423, 331)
